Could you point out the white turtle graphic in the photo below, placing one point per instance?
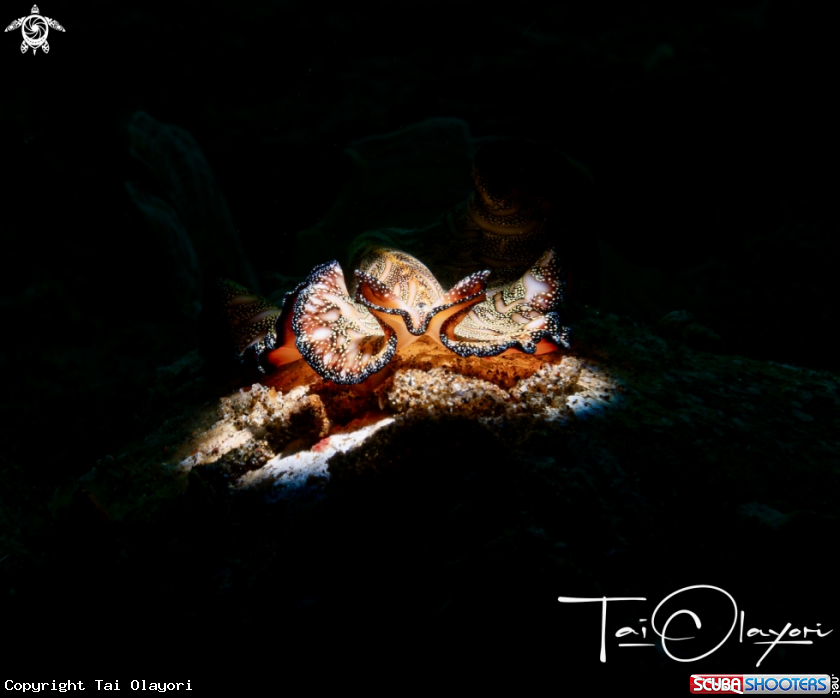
(35, 28)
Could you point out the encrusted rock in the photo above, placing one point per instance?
(256, 425)
(441, 392)
(549, 387)
(428, 405)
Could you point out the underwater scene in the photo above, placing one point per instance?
(423, 339)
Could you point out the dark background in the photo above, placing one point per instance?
(704, 124)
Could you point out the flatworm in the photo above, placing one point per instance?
(402, 292)
(521, 316)
(337, 336)
(347, 339)
(504, 301)
(250, 320)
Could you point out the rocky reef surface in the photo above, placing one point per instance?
(292, 433)
(633, 463)
(464, 492)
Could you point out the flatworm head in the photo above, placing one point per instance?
(503, 223)
(404, 295)
(521, 316)
(338, 337)
(514, 174)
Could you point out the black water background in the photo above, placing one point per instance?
(706, 126)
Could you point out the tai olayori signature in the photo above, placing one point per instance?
(787, 631)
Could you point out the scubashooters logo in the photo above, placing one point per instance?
(35, 28)
(740, 684)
